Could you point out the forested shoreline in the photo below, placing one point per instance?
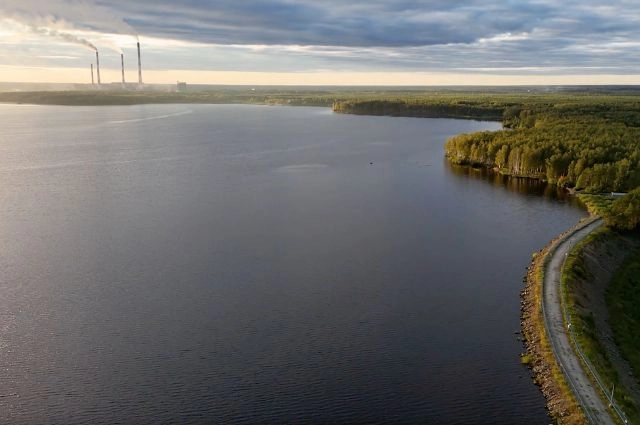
(587, 147)
(586, 143)
(439, 107)
(134, 97)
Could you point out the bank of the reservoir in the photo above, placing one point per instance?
(578, 145)
(581, 146)
(599, 275)
(539, 355)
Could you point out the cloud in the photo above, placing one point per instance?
(464, 32)
(66, 14)
(529, 36)
(356, 24)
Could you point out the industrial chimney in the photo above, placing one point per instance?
(98, 66)
(92, 82)
(122, 62)
(139, 66)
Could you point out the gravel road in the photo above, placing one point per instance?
(595, 409)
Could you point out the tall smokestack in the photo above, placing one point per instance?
(98, 66)
(122, 62)
(139, 66)
(92, 82)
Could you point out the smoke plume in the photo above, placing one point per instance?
(62, 18)
(65, 36)
(81, 14)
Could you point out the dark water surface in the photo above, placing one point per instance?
(247, 264)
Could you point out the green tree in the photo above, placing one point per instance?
(624, 213)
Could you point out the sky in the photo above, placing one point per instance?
(336, 42)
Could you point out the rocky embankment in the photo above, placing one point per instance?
(539, 355)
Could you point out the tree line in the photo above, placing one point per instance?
(437, 108)
(581, 145)
(588, 143)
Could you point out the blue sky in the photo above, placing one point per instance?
(469, 41)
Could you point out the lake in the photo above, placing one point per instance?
(248, 264)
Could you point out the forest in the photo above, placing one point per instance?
(589, 145)
(585, 142)
(438, 106)
(586, 146)
(98, 97)
(582, 142)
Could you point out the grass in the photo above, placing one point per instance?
(583, 323)
(623, 300)
(526, 359)
(596, 204)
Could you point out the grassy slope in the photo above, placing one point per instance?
(623, 294)
(623, 300)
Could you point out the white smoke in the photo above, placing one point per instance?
(70, 20)
(83, 13)
(110, 44)
(64, 36)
